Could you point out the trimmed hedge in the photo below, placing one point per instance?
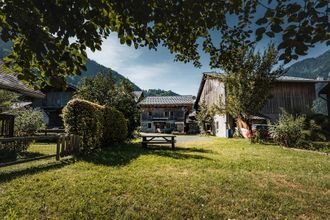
(114, 126)
(97, 125)
(85, 119)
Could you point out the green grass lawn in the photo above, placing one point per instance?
(221, 178)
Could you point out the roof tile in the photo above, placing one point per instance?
(168, 100)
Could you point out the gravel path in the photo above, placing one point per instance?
(188, 138)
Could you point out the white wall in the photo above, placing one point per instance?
(220, 125)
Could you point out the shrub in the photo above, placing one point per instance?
(114, 126)
(317, 128)
(85, 119)
(9, 151)
(289, 130)
(97, 125)
(28, 121)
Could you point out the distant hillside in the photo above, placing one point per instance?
(312, 67)
(158, 92)
(92, 68)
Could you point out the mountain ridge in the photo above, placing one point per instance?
(311, 67)
(92, 68)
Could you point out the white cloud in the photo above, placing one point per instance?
(148, 69)
(113, 54)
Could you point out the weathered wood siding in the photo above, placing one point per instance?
(213, 92)
(54, 99)
(293, 97)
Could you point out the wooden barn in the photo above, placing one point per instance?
(293, 94)
(165, 114)
(53, 103)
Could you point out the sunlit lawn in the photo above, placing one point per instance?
(219, 178)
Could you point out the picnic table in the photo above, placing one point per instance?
(158, 139)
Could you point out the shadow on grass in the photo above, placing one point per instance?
(125, 153)
(112, 156)
(12, 174)
(27, 154)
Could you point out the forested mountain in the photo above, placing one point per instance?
(158, 92)
(92, 68)
(312, 67)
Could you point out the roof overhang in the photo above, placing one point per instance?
(9, 82)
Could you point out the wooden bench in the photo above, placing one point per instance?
(158, 139)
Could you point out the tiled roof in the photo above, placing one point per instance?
(8, 81)
(168, 100)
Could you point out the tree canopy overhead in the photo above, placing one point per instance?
(52, 36)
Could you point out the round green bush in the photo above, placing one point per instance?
(85, 119)
(98, 126)
(289, 130)
(114, 126)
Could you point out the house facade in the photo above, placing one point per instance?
(165, 114)
(293, 94)
(53, 103)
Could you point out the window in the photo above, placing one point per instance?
(171, 113)
(149, 125)
(166, 114)
(217, 125)
(150, 113)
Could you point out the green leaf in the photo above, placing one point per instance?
(270, 34)
(261, 21)
(259, 33)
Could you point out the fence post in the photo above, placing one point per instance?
(58, 145)
(63, 146)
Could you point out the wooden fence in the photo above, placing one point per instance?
(65, 145)
(6, 125)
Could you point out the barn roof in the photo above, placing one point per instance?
(168, 100)
(300, 79)
(8, 81)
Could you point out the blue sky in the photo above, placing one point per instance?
(151, 69)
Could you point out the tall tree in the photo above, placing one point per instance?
(249, 78)
(52, 36)
(102, 90)
(204, 117)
